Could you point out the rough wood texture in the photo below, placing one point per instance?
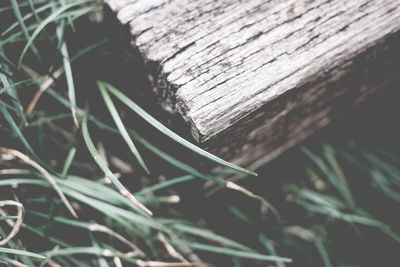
(253, 78)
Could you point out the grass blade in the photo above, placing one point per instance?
(68, 70)
(16, 130)
(159, 126)
(103, 166)
(20, 252)
(211, 236)
(18, 15)
(232, 252)
(68, 162)
(120, 125)
(42, 25)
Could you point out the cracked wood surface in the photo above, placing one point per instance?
(253, 78)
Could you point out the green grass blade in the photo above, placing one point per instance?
(68, 70)
(341, 183)
(20, 252)
(159, 126)
(166, 184)
(174, 161)
(15, 99)
(68, 162)
(267, 244)
(17, 131)
(322, 251)
(21, 22)
(26, 17)
(103, 166)
(117, 119)
(42, 25)
(14, 85)
(232, 252)
(211, 236)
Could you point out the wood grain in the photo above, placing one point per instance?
(253, 78)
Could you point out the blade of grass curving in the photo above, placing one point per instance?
(210, 236)
(93, 227)
(68, 162)
(48, 258)
(232, 252)
(17, 131)
(117, 119)
(4, 104)
(42, 25)
(193, 171)
(267, 244)
(69, 19)
(13, 85)
(239, 214)
(115, 212)
(177, 180)
(67, 69)
(322, 251)
(341, 182)
(103, 166)
(26, 17)
(20, 252)
(386, 167)
(383, 185)
(15, 99)
(80, 112)
(174, 161)
(159, 126)
(166, 184)
(21, 22)
(88, 49)
(42, 119)
(35, 10)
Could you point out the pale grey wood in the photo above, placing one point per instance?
(253, 78)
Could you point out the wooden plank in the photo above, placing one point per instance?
(253, 78)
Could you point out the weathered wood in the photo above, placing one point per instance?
(253, 78)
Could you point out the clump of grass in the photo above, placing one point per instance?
(43, 150)
(79, 187)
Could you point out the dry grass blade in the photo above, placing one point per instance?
(48, 81)
(250, 194)
(170, 249)
(46, 174)
(17, 224)
(101, 228)
(117, 261)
